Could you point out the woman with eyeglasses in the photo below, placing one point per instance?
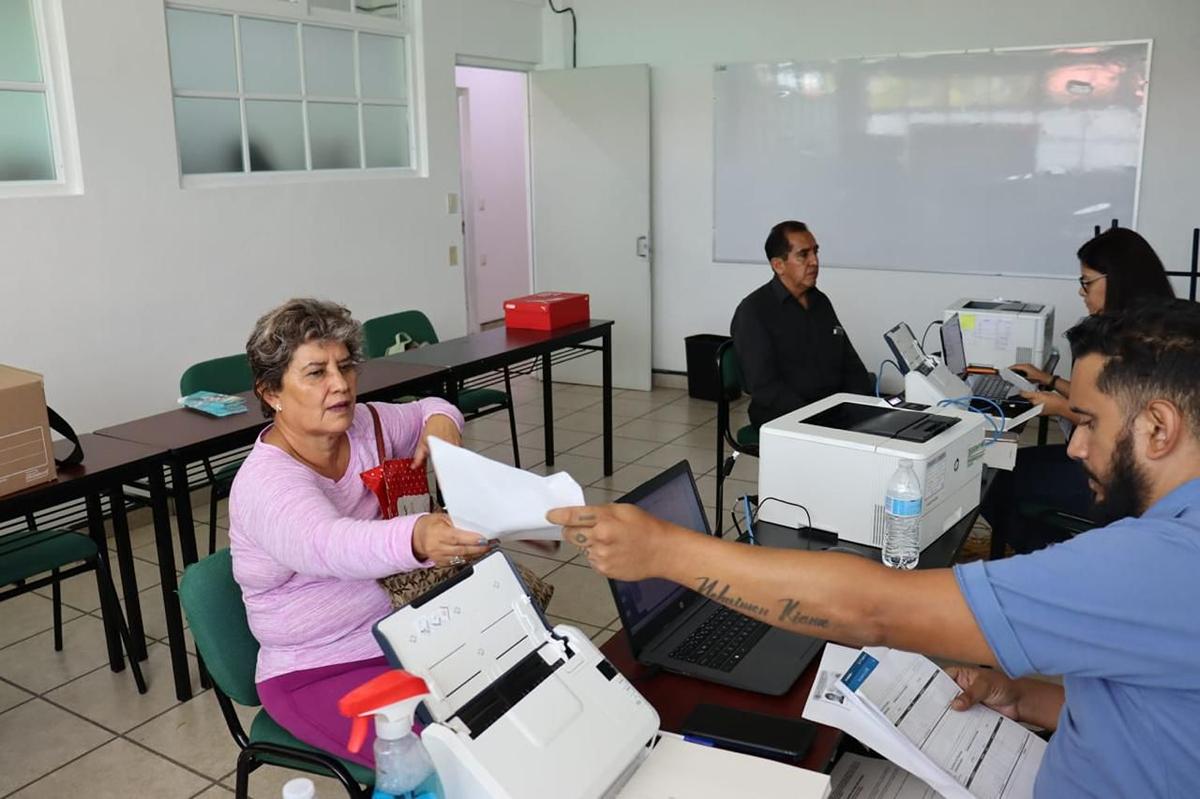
(1117, 270)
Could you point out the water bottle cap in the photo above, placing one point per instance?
(299, 788)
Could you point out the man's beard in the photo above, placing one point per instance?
(1127, 488)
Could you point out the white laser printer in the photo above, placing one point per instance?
(835, 458)
(523, 711)
(999, 333)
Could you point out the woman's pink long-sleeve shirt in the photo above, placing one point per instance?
(307, 550)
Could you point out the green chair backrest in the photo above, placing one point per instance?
(228, 375)
(380, 333)
(212, 601)
(731, 370)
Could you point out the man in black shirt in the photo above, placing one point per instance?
(792, 348)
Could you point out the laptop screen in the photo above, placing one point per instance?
(953, 351)
(672, 497)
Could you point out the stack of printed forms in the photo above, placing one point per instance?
(899, 704)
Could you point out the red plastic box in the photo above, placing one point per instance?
(547, 310)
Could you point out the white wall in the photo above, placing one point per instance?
(681, 41)
(499, 170)
(112, 293)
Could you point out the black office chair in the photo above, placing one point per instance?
(742, 442)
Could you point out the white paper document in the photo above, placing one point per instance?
(858, 777)
(676, 769)
(984, 754)
(497, 500)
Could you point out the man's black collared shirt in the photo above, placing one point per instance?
(791, 355)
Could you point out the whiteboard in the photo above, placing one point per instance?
(996, 162)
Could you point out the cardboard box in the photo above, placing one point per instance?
(26, 452)
(548, 310)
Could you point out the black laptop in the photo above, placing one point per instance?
(679, 630)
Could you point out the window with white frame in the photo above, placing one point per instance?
(31, 149)
(321, 85)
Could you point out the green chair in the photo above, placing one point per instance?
(24, 555)
(383, 332)
(212, 601)
(228, 375)
(743, 441)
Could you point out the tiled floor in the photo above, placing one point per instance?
(67, 722)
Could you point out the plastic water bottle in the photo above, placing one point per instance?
(902, 518)
(299, 788)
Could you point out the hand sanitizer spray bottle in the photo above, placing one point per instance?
(403, 769)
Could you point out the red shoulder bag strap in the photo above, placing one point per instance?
(389, 506)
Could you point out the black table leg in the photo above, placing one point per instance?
(183, 512)
(606, 405)
(170, 589)
(108, 607)
(129, 587)
(548, 409)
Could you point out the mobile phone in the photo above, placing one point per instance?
(774, 737)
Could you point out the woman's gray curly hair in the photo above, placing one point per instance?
(280, 332)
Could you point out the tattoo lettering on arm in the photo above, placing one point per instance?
(791, 614)
(719, 592)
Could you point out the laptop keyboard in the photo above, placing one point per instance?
(721, 641)
(991, 386)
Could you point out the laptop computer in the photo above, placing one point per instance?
(954, 354)
(681, 631)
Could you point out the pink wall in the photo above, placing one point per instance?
(499, 169)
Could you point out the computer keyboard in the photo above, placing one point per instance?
(991, 386)
(721, 641)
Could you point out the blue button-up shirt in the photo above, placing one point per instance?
(1116, 612)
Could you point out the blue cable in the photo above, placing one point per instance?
(879, 373)
(748, 518)
(965, 402)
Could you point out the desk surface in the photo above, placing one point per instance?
(675, 697)
(102, 457)
(477, 349)
(182, 428)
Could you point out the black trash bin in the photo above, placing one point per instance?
(703, 381)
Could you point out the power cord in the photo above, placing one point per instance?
(574, 31)
(879, 372)
(929, 327)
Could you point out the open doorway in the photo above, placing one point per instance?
(493, 107)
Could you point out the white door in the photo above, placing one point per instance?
(590, 160)
(466, 204)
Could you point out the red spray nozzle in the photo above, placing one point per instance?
(387, 689)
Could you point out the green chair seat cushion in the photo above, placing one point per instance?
(22, 555)
(474, 399)
(747, 436)
(264, 730)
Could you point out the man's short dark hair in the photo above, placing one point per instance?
(1152, 352)
(777, 245)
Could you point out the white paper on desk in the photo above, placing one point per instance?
(988, 755)
(824, 707)
(677, 769)
(858, 777)
(496, 500)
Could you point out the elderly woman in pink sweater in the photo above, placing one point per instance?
(306, 535)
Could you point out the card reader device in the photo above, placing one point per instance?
(835, 456)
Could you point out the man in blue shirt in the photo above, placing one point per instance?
(1115, 611)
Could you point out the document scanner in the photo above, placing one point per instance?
(519, 709)
(835, 457)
